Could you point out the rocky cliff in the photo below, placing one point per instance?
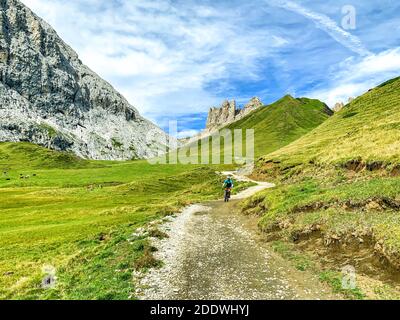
(49, 97)
(340, 105)
(228, 113)
(222, 116)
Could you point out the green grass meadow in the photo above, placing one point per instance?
(79, 215)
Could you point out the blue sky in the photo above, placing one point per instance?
(174, 59)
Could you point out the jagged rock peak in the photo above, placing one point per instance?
(48, 97)
(225, 114)
(340, 105)
(229, 112)
(252, 105)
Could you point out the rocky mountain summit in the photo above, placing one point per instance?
(219, 117)
(229, 112)
(340, 105)
(49, 97)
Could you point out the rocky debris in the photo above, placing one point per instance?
(229, 112)
(375, 165)
(358, 165)
(355, 165)
(395, 172)
(391, 255)
(371, 204)
(48, 97)
(360, 248)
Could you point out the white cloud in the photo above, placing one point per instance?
(355, 76)
(374, 65)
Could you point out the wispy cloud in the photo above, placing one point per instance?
(325, 23)
(355, 76)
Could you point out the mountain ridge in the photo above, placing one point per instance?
(282, 122)
(48, 97)
(275, 125)
(229, 112)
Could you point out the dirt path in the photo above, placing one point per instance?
(213, 252)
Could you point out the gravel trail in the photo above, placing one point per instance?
(213, 252)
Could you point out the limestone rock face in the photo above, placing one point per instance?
(220, 116)
(253, 104)
(228, 113)
(338, 106)
(49, 97)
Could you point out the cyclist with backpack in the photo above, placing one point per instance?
(228, 186)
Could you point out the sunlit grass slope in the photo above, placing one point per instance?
(274, 126)
(283, 122)
(340, 185)
(368, 128)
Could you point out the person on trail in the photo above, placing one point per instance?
(228, 186)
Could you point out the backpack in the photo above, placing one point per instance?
(228, 183)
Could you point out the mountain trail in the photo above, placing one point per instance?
(214, 252)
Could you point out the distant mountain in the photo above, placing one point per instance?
(220, 117)
(364, 132)
(229, 112)
(283, 122)
(275, 125)
(48, 97)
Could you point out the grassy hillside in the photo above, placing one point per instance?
(367, 129)
(16, 155)
(81, 218)
(283, 122)
(275, 126)
(338, 193)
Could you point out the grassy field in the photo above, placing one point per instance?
(338, 192)
(337, 198)
(78, 216)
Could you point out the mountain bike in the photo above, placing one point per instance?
(227, 194)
